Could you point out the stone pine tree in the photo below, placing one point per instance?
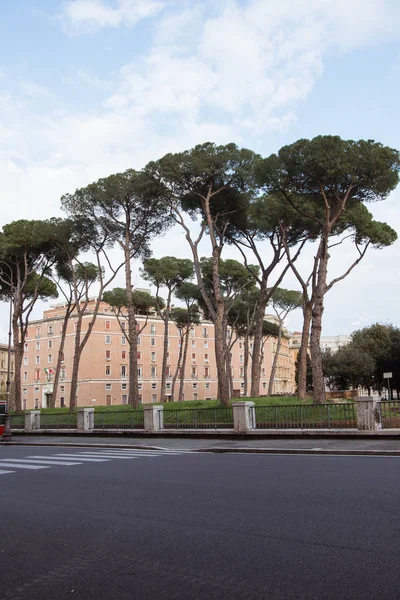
(129, 215)
(167, 272)
(283, 302)
(27, 254)
(322, 179)
(213, 185)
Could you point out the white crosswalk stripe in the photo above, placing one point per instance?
(80, 456)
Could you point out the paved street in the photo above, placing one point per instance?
(102, 524)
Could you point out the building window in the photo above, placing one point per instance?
(108, 369)
(153, 372)
(139, 372)
(138, 341)
(168, 385)
(193, 357)
(108, 339)
(138, 355)
(241, 371)
(139, 386)
(206, 372)
(62, 388)
(192, 333)
(154, 386)
(123, 340)
(193, 343)
(154, 397)
(123, 325)
(205, 344)
(240, 345)
(37, 374)
(50, 344)
(108, 400)
(207, 385)
(152, 329)
(50, 330)
(152, 341)
(153, 357)
(38, 332)
(26, 347)
(63, 374)
(264, 384)
(38, 360)
(205, 332)
(241, 358)
(123, 354)
(195, 396)
(124, 398)
(25, 391)
(107, 325)
(62, 401)
(25, 362)
(124, 386)
(194, 386)
(50, 358)
(108, 386)
(37, 346)
(25, 375)
(123, 371)
(206, 358)
(108, 354)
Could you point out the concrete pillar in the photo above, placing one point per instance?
(243, 416)
(368, 413)
(85, 419)
(32, 420)
(153, 418)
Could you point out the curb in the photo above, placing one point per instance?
(286, 451)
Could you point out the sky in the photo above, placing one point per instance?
(93, 87)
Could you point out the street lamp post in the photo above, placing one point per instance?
(7, 416)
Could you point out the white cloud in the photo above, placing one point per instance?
(86, 15)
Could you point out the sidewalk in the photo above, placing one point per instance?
(371, 446)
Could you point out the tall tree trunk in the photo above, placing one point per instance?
(316, 326)
(75, 363)
(275, 361)
(165, 348)
(183, 369)
(133, 394)
(246, 364)
(257, 342)
(18, 358)
(60, 356)
(302, 356)
(178, 364)
(220, 354)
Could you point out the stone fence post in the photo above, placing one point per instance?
(153, 418)
(32, 420)
(243, 416)
(85, 419)
(369, 413)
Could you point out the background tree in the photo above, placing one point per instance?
(185, 319)
(283, 302)
(126, 213)
(168, 272)
(27, 254)
(321, 179)
(212, 184)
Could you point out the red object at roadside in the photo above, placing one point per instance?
(2, 413)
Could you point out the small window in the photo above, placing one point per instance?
(139, 386)
(123, 371)
(206, 358)
(139, 371)
(193, 343)
(168, 385)
(123, 354)
(205, 332)
(25, 361)
(193, 357)
(153, 372)
(138, 341)
(138, 355)
(123, 325)
(194, 386)
(38, 360)
(62, 401)
(50, 330)
(264, 384)
(26, 346)
(25, 375)
(108, 354)
(152, 329)
(154, 386)
(50, 344)
(108, 369)
(123, 340)
(124, 399)
(152, 341)
(62, 388)
(108, 339)
(108, 325)
(205, 344)
(50, 358)
(154, 397)
(124, 386)
(241, 358)
(207, 385)
(108, 386)
(153, 357)
(25, 391)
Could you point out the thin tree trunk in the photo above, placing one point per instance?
(165, 348)
(220, 354)
(257, 342)
(18, 358)
(178, 364)
(316, 327)
(275, 361)
(183, 369)
(60, 356)
(246, 364)
(133, 394)
(302, 356)
(75, 364)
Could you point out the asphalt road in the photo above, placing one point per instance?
(197, 526)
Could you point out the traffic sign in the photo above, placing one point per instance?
(387, 375)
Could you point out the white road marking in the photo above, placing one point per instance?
(5, 472)
(81, 458)
(103, 455)
(42, 461)
(19, 466)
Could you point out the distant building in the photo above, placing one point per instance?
(4, 367)
(103, 374)
(332, 342)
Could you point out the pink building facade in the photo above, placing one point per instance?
(103, 373)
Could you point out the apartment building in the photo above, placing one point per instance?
(4, 367)
(103, 373)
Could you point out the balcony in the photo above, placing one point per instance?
(124, 376)
(194, 376)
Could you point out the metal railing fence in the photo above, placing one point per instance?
(307, 416)
(390, 413)
(199, 418)
(119, 419)
(49, 420)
